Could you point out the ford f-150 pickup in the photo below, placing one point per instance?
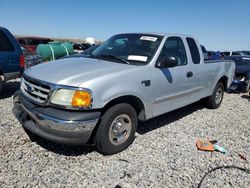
(100, 98)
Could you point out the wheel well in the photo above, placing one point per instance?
(224, 81)
(135, 102)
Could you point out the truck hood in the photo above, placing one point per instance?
(74, 71)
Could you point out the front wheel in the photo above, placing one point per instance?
(214, 101)
(117, 129)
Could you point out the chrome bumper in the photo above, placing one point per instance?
(59, 124)
(61, 130)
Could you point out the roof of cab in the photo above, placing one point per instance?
(162, 34)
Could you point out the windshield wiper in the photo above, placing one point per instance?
(114, 57)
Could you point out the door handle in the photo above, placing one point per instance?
(146, 83)
(189, 74)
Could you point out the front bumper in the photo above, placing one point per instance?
(61, 126)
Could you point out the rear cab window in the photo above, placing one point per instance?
(5, 43)
(195, 54)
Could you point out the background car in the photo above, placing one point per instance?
(31, 59)
(84, 53)
(11, 57)
(235, 53)
(212, 55)
(246, 52)
(242, 73)
(80, 47)
(31, 43)
(225, 53)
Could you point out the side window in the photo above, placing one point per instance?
(194, 51)
(5, 44)
(174, 47)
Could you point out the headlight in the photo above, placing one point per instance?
(72, 98)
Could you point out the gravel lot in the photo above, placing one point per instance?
(163, 154)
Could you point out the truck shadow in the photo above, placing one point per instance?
(165, 119)
(246, 97)
(143, 128)
(67, 150)
(9, 89)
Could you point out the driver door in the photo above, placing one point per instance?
(171, 86)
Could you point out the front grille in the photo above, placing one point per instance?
(35, 90)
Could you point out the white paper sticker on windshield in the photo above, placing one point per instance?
(138, 58)
(148, 38)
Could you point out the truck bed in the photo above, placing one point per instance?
(217, 61)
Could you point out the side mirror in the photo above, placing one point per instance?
(167, 62)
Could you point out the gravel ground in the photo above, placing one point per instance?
(163, 154)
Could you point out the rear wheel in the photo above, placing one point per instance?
(214, 101)
(117, 129)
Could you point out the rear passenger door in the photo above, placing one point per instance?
(172, 87)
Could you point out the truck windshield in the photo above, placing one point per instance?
(131, 48)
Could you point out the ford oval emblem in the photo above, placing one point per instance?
(29, 88)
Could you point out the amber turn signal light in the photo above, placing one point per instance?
(81, 99)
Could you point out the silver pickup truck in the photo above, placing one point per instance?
(100, 98)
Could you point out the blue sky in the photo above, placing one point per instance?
(218, 24)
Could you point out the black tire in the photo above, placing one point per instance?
(104, 140)
(213, 102)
